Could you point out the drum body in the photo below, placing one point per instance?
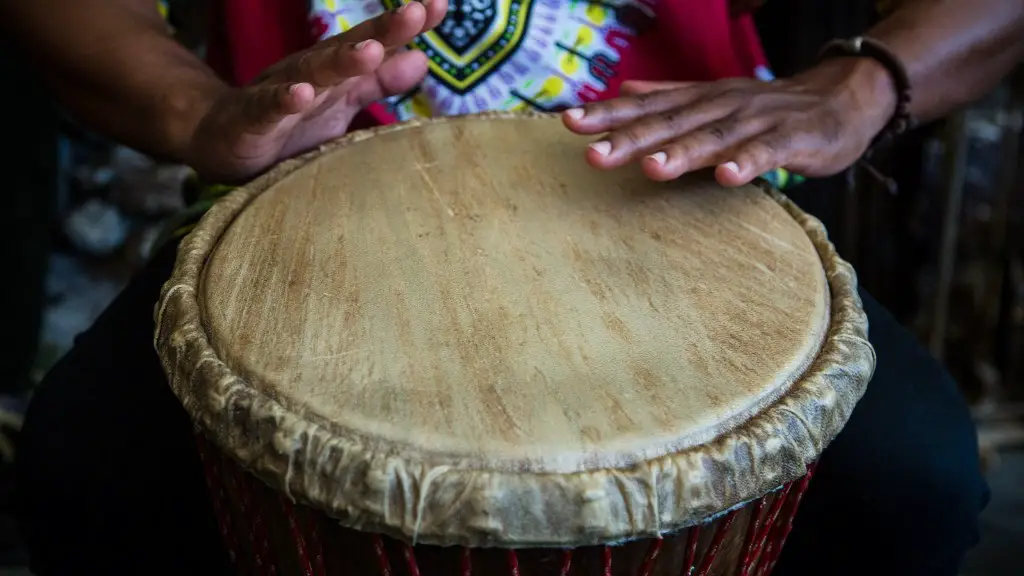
(451, 348)
(264, 532)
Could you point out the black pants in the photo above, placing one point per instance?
(112, 485)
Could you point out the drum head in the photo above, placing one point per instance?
(467, 306)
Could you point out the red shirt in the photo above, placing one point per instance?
(682, 40)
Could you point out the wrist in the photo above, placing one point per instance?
(183, 108)
(861, 87)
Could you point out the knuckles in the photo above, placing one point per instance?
(771, 125)
(718, 132)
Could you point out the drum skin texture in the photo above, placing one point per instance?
(450, 347)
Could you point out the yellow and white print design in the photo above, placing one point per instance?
(505, 54)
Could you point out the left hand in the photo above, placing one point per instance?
(816, 124)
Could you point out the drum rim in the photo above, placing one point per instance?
(400, 495)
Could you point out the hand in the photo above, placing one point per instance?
(815, 124)
(312, 96)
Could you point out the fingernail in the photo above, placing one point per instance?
(361, 45)
(731, 167)
(602, 147)
(659, 157)
(575, 113)
(293, 88)
(402, 8)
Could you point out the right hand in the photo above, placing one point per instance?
(311, 97)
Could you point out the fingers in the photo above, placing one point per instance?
(648, 134)
(739, 156)
(394, 28)
(598, 117)
(263, 109)
(436, 11)
(741, 149)
(362, 49)
(706, 146)
(327, 67)
(766, 152)
(398, 74)
(743, 127)
(634, 87)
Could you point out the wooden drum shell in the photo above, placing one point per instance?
(265, 533)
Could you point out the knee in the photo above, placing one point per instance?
(924, 512)
(940, 500)
(925, 496)
(909, 476)
(904, 471)
(938, 466)
(945, 480)
(947, 483)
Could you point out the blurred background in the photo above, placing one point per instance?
(945, 254)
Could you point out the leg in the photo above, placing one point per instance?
(110, 477)
(899, 491)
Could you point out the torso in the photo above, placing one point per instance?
(553, 54)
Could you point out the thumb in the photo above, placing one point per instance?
(261, 109)
(244, 132)
(398, 74)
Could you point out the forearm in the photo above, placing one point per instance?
(955, 51)
(114, 65)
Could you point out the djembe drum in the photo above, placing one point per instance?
(451, 348)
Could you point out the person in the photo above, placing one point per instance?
(110, 478)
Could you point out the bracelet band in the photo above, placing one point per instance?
(901, 121)
(864, 47)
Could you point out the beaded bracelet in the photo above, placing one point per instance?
(901, 121)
